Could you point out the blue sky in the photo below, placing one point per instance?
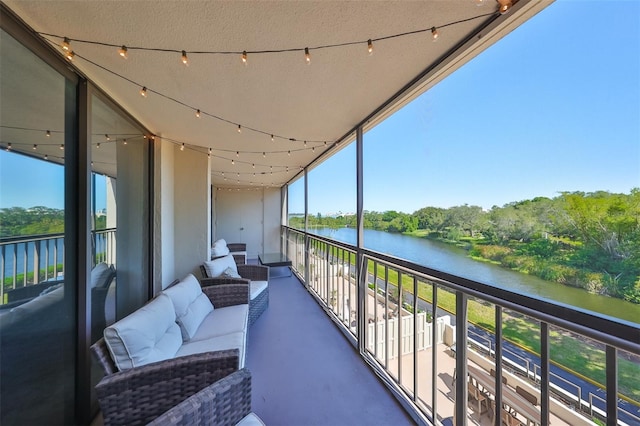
(554, 106)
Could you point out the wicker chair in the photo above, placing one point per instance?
(239, 252)
(141, 394)
(225, 402)
(249, 273)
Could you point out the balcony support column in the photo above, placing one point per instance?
(611, 367)
(306, 228)
(544, 372)
(361, 269)
(460, 414)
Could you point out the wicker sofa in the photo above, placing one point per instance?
(224, 270)
(161, 354)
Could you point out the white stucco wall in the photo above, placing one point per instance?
(192, 207)
(271, 220)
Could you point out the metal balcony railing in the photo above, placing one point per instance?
(32, 259)
(386, 307)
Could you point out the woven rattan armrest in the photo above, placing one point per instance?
(225, 402)
(254, 272)
(227, 294)
(223, 280)
(140, 394)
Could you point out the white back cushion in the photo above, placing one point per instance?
(216, 267)
(191, 305)
(147, 335)
(99, 274)
(219, 248)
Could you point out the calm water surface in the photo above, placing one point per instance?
(453, 260)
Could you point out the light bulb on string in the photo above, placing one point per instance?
(123, 52)
(124, 141)
(370, 46)
(237, 153)
(35, 147)
(107, 137)
(307, 55)
(182, 147)
(61, 146)
(434, 33)
(70, 54)
(209, 152)
(271, 138)
(143, 92)
(264, 154)
(9, 146)
(98, 145)
(254, 165)
(233, 162)
(66, 44)
(305, 143)
(198, 113)
(46, 157)
(313, 149)
(505, 5)
(244, 57)
(48, 133)
(289, 153)
(239, 128)
(184, 58)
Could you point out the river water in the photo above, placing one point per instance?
(453, 260)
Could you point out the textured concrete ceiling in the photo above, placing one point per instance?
(275, 93)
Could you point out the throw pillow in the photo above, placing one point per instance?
(219, 249)
(216, 267)
(229, 272)
(191, 305)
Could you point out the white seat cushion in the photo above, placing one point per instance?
(230, 319)
(251, 419)
(216, 267)
(147, 335)
(257, 287)
(225, 342)
(191, 305)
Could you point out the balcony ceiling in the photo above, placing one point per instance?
(276, 93)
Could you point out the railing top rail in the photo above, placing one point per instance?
(609, 330)
(40, 237)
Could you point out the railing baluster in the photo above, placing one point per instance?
(36, 261)
(25, 257)
(612, 385)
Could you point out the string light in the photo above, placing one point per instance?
(198, 113)
(271, 138)
(209, 155)
(98, 145)
(434, 33)
(233, 162)
(106, 136)
(48, 133)
(254, 165)
(66, 44)
(289, 153)
(143, 92)
(184, 58)
(35, 147)
(182, 147)
(244, 57)
(370, 46)
(70, 55)
(307, 55)
(123, 52)
(264, 154)
(239, 128)
(505, 5)
(8, 146)
(61, 146)
(124, 141)
(46, 157)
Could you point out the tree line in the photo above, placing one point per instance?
(39, 220)
(588, 240)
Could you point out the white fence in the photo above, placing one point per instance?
(390, 339)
